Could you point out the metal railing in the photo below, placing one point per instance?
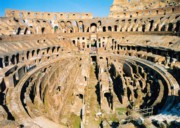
(145, 111)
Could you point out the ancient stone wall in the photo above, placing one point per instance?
(131, 10)
(46, 15)
(89, 72)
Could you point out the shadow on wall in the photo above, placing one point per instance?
(174, 108)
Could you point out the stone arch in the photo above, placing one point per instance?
(143, 27)
(177, 29)
(170, 27)
(27, 54)
(33, 53)
(25, 31)
(99, 23)
(6, 60)
(104, 29)
(55, 28)
(1, 63)
(93, 27)
(151, 25)
(109, 28)
(83, 45)
(19, 31)
(74, 42)
(115, 28)
(13, 59)
(43, 30)
(17, 58)
(81, 26)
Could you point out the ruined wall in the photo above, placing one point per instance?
(46, 15)
(56, 64)
(142, 9)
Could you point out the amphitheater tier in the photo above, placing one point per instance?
(62, 70)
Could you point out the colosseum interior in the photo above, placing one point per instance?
(73, 70)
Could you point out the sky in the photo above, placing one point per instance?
(99, 8)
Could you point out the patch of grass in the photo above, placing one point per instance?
(121, 111)
(110, 117)
(113, 118)
(75, 121)
(46, 107)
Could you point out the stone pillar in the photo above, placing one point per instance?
(166, 28)
(112, 28)
(147, 27)
(3, 63)
(174, 26)
(97, 43)
(9, 60)
(167, 60)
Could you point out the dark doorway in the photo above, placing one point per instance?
(94, 58)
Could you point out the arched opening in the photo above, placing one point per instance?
(58, 48)
(88, 29)
(157, 11)
(48, 50)
(177, 29)
(115, 44)
(104, 29)
(13, 59)
(69, 25)
(74, 42)
(103, 44)
(93, 28)
(1, 63)
(109, 28)
(115, 28)
(99, 23)
(33, 52)
(83, 45)
(81, 26)
(55, 29)
(27, 55)
(109, 98)
(136, 13)
(6, 60)
(143, 27)
(163, 28)
(38, 51)
(118, 47)
(17, 58)
(25, 32)
(43, 30)
(71, 31)
(170, 27)
(18, 31)
(53, 49)
(151, 25)
(94, 44)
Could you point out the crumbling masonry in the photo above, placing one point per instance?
(71, 70)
